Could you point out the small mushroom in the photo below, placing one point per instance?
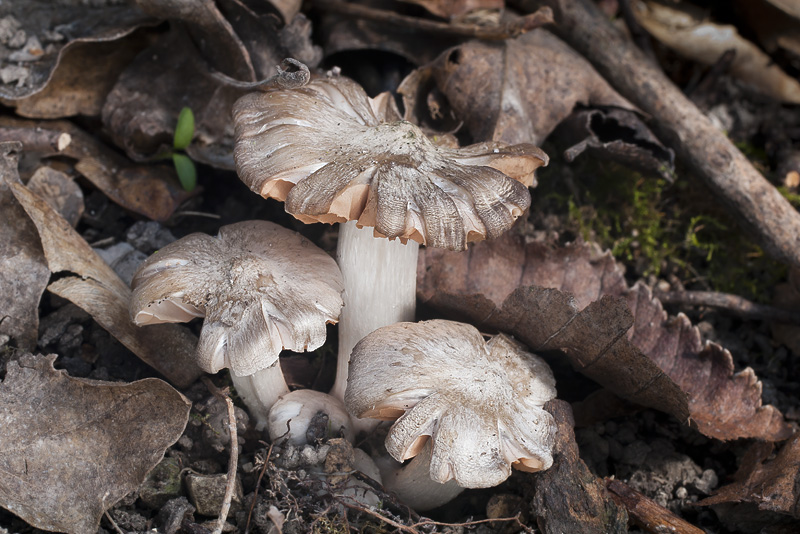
(334, 155)
(470, 409)
(261, 288)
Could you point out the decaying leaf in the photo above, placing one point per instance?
(150, 190)
(454, 8)
(81, 49)
(58, 190)
(568, 497)
(174, 73)
(686, 32)
(516, 91)
(70, 448)
(23, 269)
(588, 312)
(99, 291)
(766, 479)
(619, 135)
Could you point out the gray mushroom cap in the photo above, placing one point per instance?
(479, 402)
(334, 155)
(262, 288)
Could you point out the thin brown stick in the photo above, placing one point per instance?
(647, 513)
(258, 485)
(709, 154)
(230, 483)
(731, 303)
(473, 31)
(36, 139)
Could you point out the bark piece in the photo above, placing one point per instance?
(71, 448)
(762, 210)
(100, 292)
(516, 91)
(568, 497)
(588, 312)
(23, 269)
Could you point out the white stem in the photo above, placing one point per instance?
(412, 482)
(260, 391)
(380, 284)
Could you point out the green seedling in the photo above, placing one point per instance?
(184, 166)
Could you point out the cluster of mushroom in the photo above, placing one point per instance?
(465, 409)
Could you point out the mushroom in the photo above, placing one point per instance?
(261, 288)
(334, 155)
(465, 409)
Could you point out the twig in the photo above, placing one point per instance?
(731, 303)
(37, 139)
(474, 31)
(113, 523)
(230, 483)
(756, 203)
(646, 513)
(258, 485)
(291, 75)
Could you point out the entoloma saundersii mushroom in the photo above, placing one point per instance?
(468, 409)
(261, 288)
(334, 155)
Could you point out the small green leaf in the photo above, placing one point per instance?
(187, 173)
(184, 130)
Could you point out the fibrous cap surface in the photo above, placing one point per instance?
(333, 154)
(261, 288)
(481, 403)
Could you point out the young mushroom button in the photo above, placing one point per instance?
(470, 409)
(335, 155)
(261, 288)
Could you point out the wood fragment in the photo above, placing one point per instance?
(761, 209)
(50, 142)
(500, 32)
(230, 483)
(731, 303)
(646, 513)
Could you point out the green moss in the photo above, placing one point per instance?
(657, 228)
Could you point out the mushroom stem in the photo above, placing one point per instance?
(413, 484)
(380, 284)
(260, 391)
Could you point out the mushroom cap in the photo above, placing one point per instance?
(481, 403)
(333, 154)
(262, 288)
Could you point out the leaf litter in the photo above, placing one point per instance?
(617, 334)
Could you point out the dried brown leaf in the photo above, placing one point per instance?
(102, 294)
(94, 43)
(687, 32)
(454, 8)
(150, 190)
(23, 269)
(515, 91)
(766, 479)
(71, 448)
(568, 497)
(58, 190)
(660, 362)
(172, 74)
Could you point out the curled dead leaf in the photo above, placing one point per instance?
(75, 71)
(516, 91)
(23, 269)
(686, 32)
(617, 335)
(100, 292)
(71, 448)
